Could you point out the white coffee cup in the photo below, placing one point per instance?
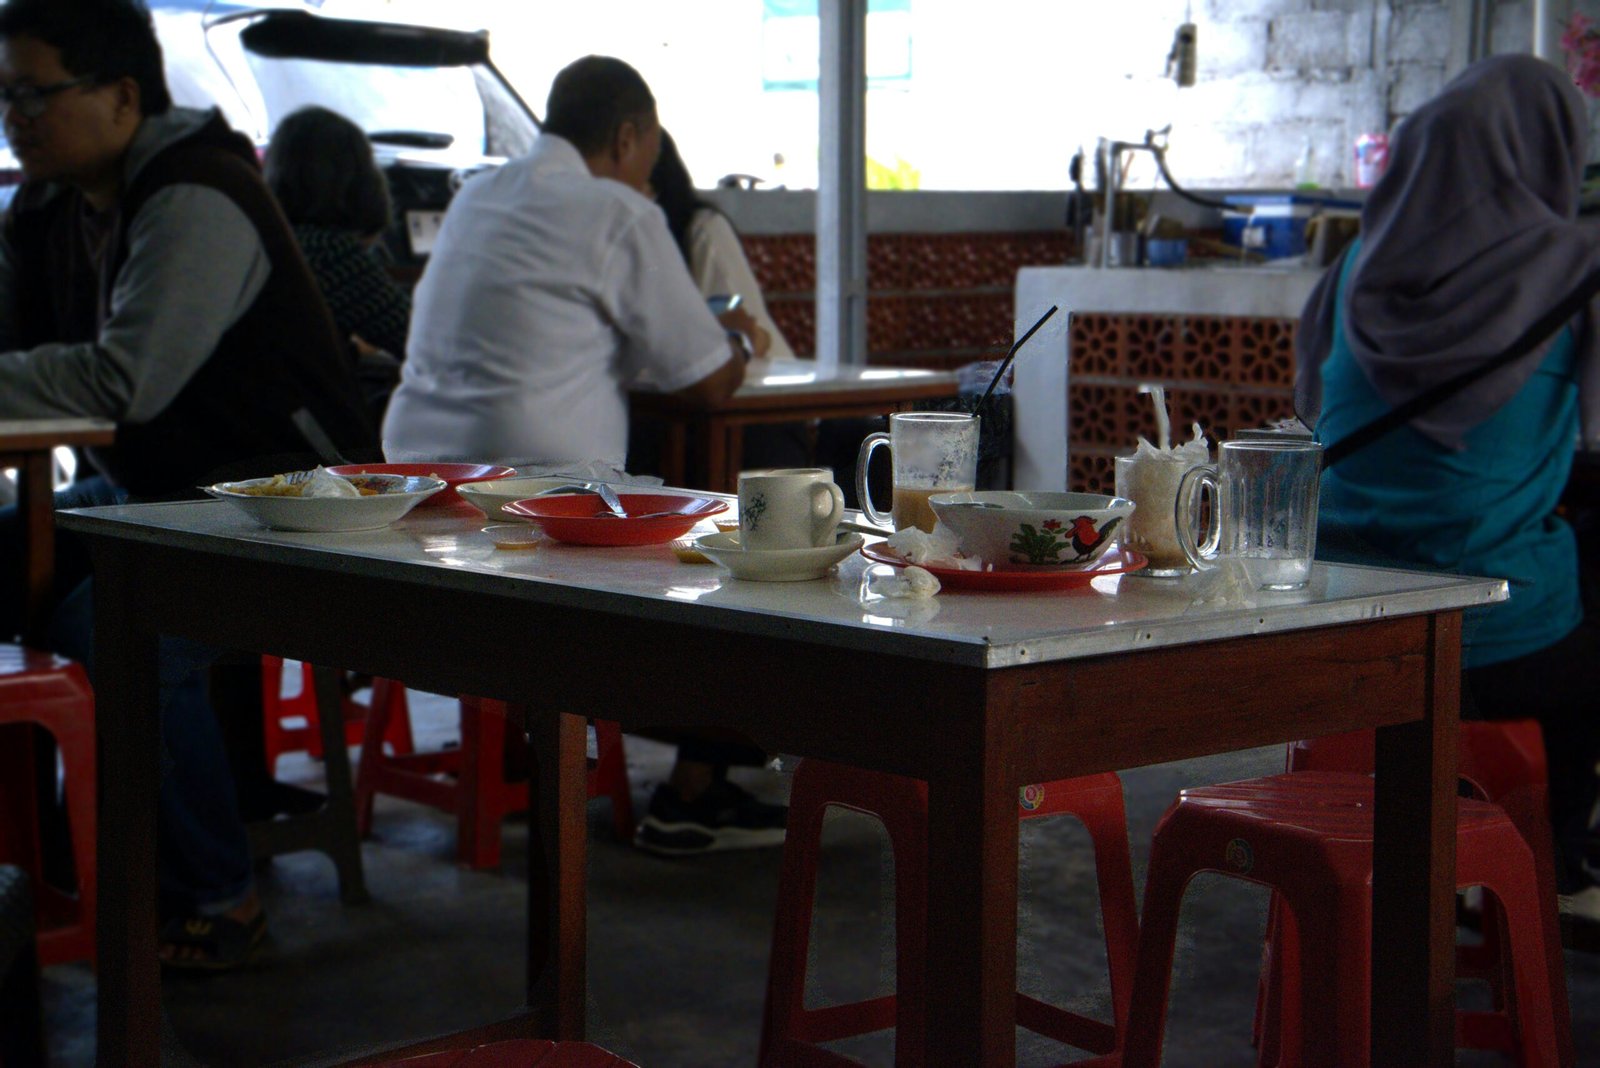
(788, 508)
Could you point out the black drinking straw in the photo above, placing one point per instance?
(1021, 341)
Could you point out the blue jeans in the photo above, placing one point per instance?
(204, 861)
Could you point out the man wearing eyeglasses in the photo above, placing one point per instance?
(147, 277)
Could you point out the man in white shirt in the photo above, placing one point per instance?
(553, 287)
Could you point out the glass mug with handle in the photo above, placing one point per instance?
(1263, 510)
(932, 452)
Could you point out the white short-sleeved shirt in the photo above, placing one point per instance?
(548, 294)
(719, 266)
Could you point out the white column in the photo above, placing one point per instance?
(842, 185)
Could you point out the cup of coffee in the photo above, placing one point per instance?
(1151, 483)
(932, 452)
(1263, 510)
(788, 508)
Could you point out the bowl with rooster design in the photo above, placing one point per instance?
(1014, 528)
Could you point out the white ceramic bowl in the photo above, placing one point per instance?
(491, 497)
(775, 565)
(1023, 529)
(397, 495)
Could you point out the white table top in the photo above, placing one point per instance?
(982, 629)
(764, 378)
(10, 428)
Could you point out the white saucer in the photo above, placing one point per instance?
(776, 565)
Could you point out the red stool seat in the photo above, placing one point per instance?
(46, 691)
(277, 709)
(517, 1053)
(471, 781)
(1308, 836)
(1502, 761)
(791, 1032)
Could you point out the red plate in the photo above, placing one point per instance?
(453, 475)
(1118, 561)
(583, 518)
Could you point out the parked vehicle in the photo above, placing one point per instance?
(431, 100)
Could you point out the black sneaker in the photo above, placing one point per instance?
(724, 817)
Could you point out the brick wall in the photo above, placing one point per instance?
(934, 300)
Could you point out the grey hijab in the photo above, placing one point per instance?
(1469, 237)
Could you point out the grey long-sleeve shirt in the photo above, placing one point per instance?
(194, 265)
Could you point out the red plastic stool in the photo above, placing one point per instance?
(305, 738)
(1503, 762)
(1308, 836)
(517, 1053)
(470, 781)
(790, 1032)
(43, 690)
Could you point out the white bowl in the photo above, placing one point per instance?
(775, 565)
(491, 497)
(1024, 529)
(397, 495)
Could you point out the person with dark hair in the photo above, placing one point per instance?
(552, 288)
(148, 278)
(711, 247)
(1470, 238)
(320, 167)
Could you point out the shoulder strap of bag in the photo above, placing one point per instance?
(1531, 338)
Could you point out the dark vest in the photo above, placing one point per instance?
(232, 419)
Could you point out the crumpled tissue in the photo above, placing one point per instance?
(940, 548)
(908, 582)
(1227, 584)
(324, 483)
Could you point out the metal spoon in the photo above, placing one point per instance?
(607, 495)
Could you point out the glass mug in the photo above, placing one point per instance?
(1152, 485)
(1264, 510)
(932, 452)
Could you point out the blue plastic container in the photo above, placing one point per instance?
(1276, 225)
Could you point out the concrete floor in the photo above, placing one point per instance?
(678, 949)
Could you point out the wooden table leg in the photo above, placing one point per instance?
(127, 747)
(971, 964)
(675, 452)
(557, 861)
(717, 475)
(36, 506)
(1414, 870)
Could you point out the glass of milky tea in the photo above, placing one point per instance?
(1149, 478)
(932, 452)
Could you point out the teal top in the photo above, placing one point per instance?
(1487, 509)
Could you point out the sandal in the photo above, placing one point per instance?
(220, 943)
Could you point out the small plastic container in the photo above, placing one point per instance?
(1275, 224)
(1166, 251)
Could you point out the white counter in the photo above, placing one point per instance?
(1039, 394)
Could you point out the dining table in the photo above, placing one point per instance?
(29, 445)
(979, 693)
(703, 447)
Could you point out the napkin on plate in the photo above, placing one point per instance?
(938, 549)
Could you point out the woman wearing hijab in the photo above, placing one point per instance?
(1469, 239)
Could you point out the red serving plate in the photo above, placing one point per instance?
(583, 518)
(1118, 561)
(453, 475)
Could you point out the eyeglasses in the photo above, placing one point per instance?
(31, 100)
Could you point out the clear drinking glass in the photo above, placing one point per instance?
(933, 452)
(1264, 510)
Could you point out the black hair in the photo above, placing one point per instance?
(591, 99)
(675, 193)
(103, 39)
(319, 165)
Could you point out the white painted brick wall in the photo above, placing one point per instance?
(1273, 73)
